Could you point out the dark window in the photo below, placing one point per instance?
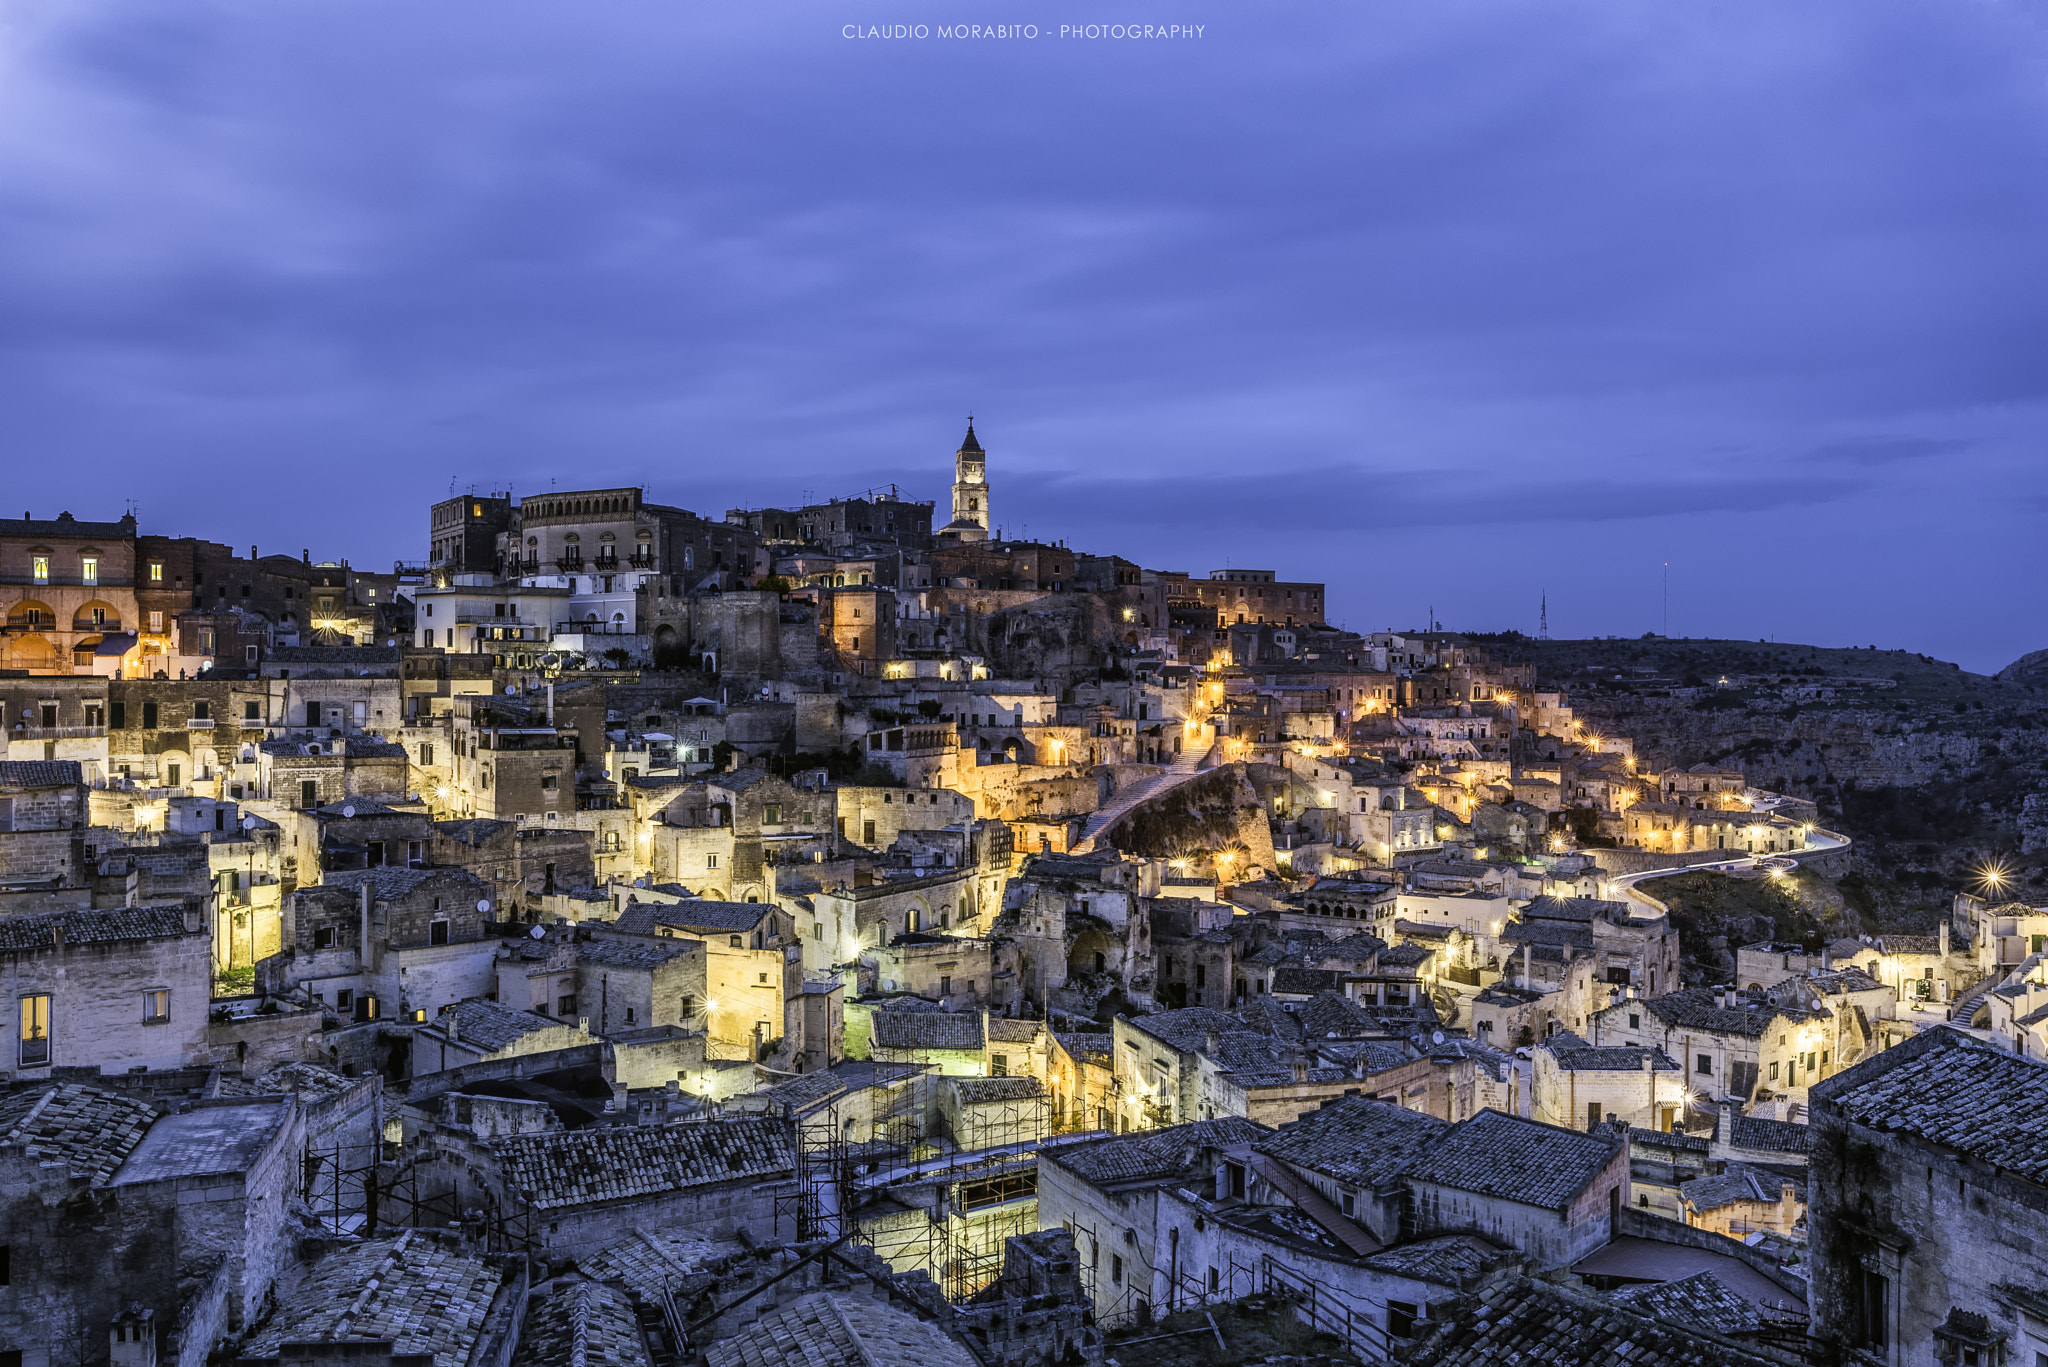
(117, 713)
(149, 716)
(565, 1007)
(309, 793)
(323, 938)
(1875, 1292)
(1705, 1065)
(312, 714)
(437, 933)
(199, 711)
(252, 711)
(345, 999)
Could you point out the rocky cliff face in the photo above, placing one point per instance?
(1218, 811)
(1932, 770)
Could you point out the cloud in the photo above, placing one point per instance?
(1343, 269)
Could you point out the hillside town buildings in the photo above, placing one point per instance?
(631, 936)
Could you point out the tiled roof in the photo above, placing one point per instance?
(583, 1324)
(1580, 1057)
(1512, 1159)
(1185, 1030)
(641, 918)
(633, 953)
(1007, 1031)
(1739, 1182)
(1513, 1319)
(1506, 994)
(39, 773)
(424, 1296)
(1699, 1008)
(648, 1260)
(88, 1131)
(1334, 1013)
(839, 1329)
(1356, 1140)
(493, 1027)
(1086, 1045)
(1909, 944)
(473, 830)
(1584, 910)
(1780, 1136)
(978, 1091)
(894, 1029)
(1701, 1298)
(1152, 1154)
(1955, 1092)
(1303, 981)
(581, 1167)
(27, 934)
(1447, 1259)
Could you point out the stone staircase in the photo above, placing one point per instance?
(1185, 766)
(1963, 1009)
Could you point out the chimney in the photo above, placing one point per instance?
(193, 919)
(1827, 956)
(1301, 1065)
(1527, 982)
(364, 950)
(252, 552)
(453, 1025)
(1211, 1044)
(306, 557)
(1944, 937)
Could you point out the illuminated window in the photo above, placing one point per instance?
(156, 1006)
(35, 1031)
(156, 572)
(42, 569)
(89, 569)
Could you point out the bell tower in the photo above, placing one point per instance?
(970, 490)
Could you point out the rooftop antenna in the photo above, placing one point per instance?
(1667, 598)
(1543, 620)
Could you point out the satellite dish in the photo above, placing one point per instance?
(483, 904)
(1436, 1037)
(248, 823)
(537, 932)
(349, 810)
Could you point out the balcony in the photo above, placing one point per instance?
(21, 731)
(641, 560)
(199, 723)
(569, 564)
(595, 629)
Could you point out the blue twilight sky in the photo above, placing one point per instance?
(1445, 303)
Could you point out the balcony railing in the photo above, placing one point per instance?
(568, 564)
(24, 732)
(595, 629)
(199, 724)
(641, 560)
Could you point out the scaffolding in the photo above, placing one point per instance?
(915, 1200)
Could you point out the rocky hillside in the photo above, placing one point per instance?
(1933, 770)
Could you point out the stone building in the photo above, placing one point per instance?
(43, 812)
(109, 1204)
(114, 989)
(571, 1194)
(388, 943)
(1581, 1087)
(71, 587)
(1554, 1194)
(1928, 1204)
